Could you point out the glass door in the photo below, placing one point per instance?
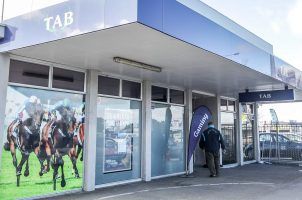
(228, 131)
(248, 129)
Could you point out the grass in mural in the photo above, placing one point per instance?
(33, 185)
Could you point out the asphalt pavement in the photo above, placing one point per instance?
(254, 181)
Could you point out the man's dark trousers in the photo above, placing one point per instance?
(213, 162)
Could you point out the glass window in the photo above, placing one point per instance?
(223, 104)
(118, 150)
(248, 108)
(131, 89)
(68, 79)
(28, 73)
(159, 94)
(109, 86)
(177, 96)
(231, 106)
(167, 139)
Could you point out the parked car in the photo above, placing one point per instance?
(268, 146)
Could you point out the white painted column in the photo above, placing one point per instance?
(146, 131)
(187, 124)
(257, 144)
(238, 129)
(240, 142)
(90, 130)
(4, 66)
(218, 104)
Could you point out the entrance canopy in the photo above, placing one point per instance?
(183, 64)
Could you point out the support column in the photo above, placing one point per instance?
(187, 123)
(4, 67)
(90, 130)
(218, 118)
(240, 142)
(238, 129)
(146, 131)
(257, 144)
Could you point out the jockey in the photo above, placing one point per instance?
(62, 109)
(63, 112)
(27, 111)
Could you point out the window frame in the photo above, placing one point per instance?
(50, 75)
(249, 104)
(79, 71)
(168, 94)
(108, 95)
(121, 88)
(121, 78)
(227, 106)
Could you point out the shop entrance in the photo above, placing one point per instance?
(210, 102)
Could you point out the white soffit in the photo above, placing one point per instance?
(183, 65)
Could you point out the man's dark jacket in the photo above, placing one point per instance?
(211, 140)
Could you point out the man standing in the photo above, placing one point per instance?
(211, 141)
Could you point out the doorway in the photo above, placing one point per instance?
(209, 101)
(228, 130)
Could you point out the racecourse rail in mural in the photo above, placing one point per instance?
(44, 139)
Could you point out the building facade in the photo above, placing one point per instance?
(98, 93)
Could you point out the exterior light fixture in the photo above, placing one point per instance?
(137, 64)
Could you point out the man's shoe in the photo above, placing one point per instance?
(212, 175)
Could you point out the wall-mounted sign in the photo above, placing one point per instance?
(274, 95)
(58, 22)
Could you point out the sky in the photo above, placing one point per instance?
(285, 112)
(279, 22)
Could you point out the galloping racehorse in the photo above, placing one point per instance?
(58, 141)
(24, 134)
(78, 140)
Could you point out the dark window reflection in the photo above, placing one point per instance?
(176, 96)
(68, 79)
(159, 94)
(231, 106)
(108, 86)
(131, 89)
(223, 104)
(28, 73)
(248, 108)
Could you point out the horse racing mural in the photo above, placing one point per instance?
(44, 131)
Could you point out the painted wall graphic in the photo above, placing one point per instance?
(43, 142)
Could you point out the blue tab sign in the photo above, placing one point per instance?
(274, 95)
